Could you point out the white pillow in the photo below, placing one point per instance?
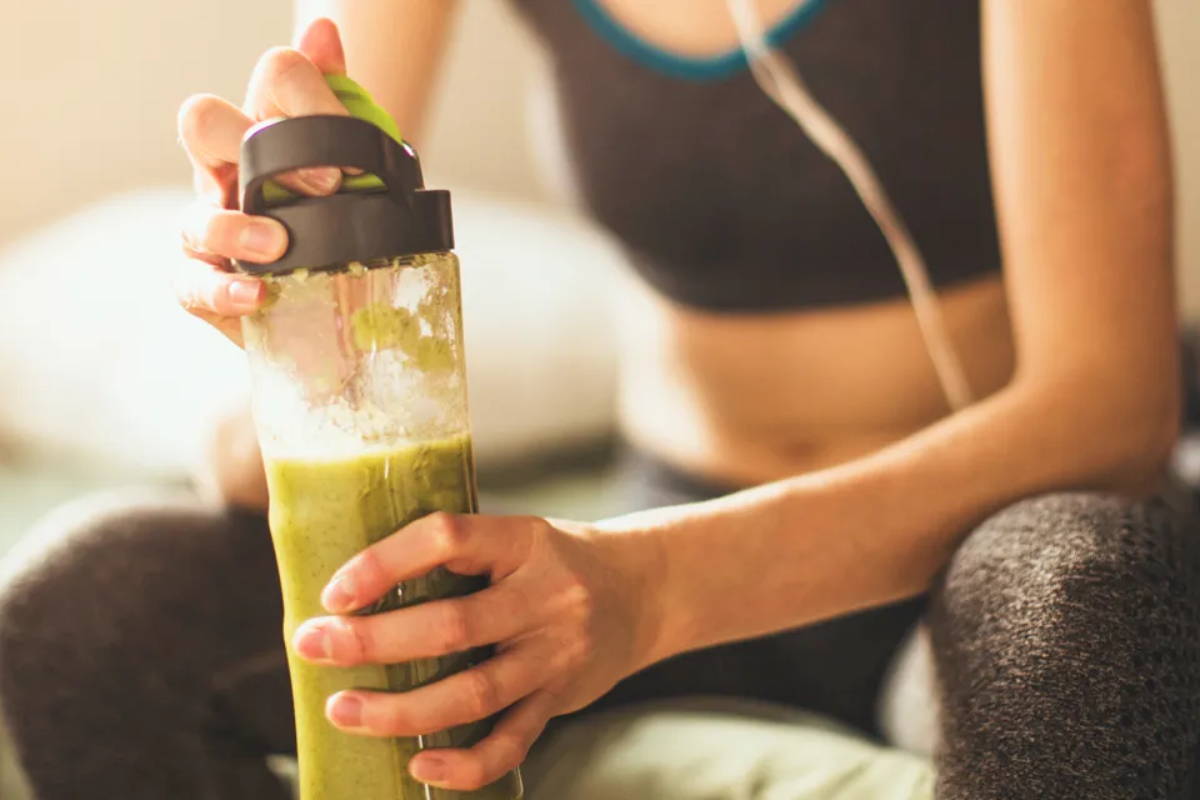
(98, 362)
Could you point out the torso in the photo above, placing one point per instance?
(769, 333)
(741, 400)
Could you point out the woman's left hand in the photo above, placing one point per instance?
(571, 610)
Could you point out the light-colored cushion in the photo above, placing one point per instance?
(99, 363)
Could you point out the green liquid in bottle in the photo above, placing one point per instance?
(322, 513)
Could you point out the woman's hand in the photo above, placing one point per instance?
(286, 82)
(571, 610)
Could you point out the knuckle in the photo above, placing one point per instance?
(577, 652)
(538, 529)
(181, 286)
(454, 627)
(369, 571)
(217, 232)
(189, 301)
(474, 775)
(359, 636)
(190, 295)
(480, 693)
(391, 717)
(578, 599)
(574, 649)
(194, 115)
(510, 748)
(450, 536)
(279, 63)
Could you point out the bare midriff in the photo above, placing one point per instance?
(743, 399)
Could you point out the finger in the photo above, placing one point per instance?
(232, 234)
(211, 130)
(209, 292)
(469, 544)
(427, 630)
(466, 696)
(322, 43)
(286, 83)
(496, 754)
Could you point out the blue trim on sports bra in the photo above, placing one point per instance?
(692, 68)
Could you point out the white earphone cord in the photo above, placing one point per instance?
(779, 80)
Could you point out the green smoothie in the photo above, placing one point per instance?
(322, 513)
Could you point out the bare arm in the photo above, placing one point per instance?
(1080, 159)
(392, 47)
(1083, 192)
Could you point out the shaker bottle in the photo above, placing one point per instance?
(360, 403)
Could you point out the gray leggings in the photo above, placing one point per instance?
(140, 655)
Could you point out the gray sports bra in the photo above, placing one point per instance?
(721, 201)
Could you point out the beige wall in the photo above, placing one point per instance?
(1180, 31)
(91, 90)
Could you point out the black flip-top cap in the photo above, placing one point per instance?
(402, 218)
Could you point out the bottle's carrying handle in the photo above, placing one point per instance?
(382, 214)
(324, 140)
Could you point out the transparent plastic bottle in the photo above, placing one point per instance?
(360, 401)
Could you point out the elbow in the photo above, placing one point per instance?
(1141, 452)
(1114, 436)
(1132, 443)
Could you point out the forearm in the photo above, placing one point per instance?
(879, 528)
(1078, 145)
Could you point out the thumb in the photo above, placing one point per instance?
(322, 43)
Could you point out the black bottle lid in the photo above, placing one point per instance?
(399, 218)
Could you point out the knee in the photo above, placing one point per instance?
(1081, 556)
(66, 596)
(1064, 614)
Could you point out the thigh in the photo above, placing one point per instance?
(705, 749)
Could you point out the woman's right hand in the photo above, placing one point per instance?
(286, 82)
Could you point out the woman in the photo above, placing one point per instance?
(812, 495)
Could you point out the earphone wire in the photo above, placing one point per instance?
(780, 81)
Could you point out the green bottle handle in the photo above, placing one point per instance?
(360, 104)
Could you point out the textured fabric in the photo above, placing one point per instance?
(727, 749)
(140, 658)
(723, 203)
(1067, 638)
(140, 654)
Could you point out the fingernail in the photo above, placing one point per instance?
(321, 180)
(313, 642)
(244, 295)
(429, 769)
(339, 595)
(345, 710)
(262, 240)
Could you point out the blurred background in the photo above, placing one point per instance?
(107, 383)
(110, 383)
